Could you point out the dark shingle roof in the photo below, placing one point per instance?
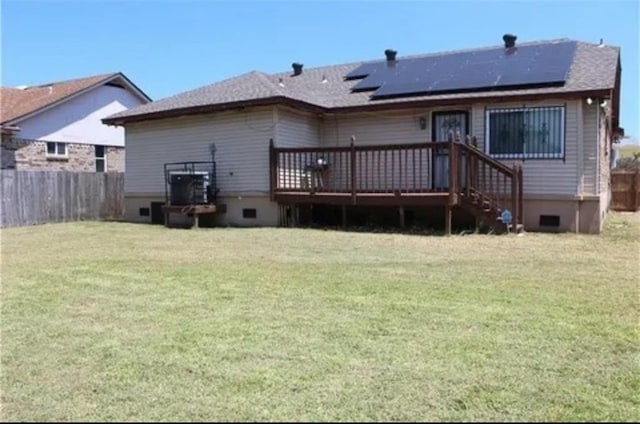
(593, 68)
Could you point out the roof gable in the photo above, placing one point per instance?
(20, 103)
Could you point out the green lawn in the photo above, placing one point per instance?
(112, 321)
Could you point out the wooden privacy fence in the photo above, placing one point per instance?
(625, 190)
(36, 197)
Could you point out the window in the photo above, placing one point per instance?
(249, 213)
(144, 212)
(535, 132)
(101, 159)
(55, 149)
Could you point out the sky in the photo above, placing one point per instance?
(170, 46)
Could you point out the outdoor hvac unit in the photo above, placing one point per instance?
(188, 187)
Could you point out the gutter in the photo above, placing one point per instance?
(298, 104)
(195, 110)
(9, 129)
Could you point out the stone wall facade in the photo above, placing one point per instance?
(31, 155)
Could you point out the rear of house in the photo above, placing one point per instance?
(358, 135)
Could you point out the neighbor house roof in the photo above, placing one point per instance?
(20, 103)
(592, 71)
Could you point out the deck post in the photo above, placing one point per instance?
(401, 216)
(353, 173)
(447, 220)
(344, 216)
(453, 171)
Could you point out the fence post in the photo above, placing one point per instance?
(353, 173)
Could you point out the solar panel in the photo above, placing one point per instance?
(541, 64)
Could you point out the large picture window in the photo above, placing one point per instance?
(535, 132)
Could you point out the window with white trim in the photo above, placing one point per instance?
(101, 159)
(526, 132)
(56, 149)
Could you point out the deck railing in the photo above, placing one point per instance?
(399, 168)
(490, 183)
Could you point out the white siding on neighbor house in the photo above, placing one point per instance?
(295, 129)
(541, 176)
(79, 119)
(590, 146)
(242, 149)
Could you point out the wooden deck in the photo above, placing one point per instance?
(365, 199)
(443, 173)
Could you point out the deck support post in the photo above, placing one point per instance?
(401, 216)
(344, 216)
(447, 220)
(196, 220)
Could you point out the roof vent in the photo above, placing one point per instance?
(509, 40)
(297, 68)
(391, 55)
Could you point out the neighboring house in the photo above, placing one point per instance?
(543, 116)
(57, 126)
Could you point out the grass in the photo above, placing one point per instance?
(125, 322)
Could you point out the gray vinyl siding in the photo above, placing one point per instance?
(375, 128)
(296, 129)
(590, 146)
(541, 176)
(242, 149)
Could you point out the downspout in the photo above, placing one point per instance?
(598, 147)
(580, 162)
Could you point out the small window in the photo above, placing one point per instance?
(530, 132)
(55, 149)
(549, 220)
(249, 213)
(144, 211)
(101, 159)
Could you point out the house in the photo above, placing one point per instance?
(57, 126)
(511, 135)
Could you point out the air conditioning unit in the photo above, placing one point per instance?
(188, 187)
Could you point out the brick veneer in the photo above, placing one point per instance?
(31, 155)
